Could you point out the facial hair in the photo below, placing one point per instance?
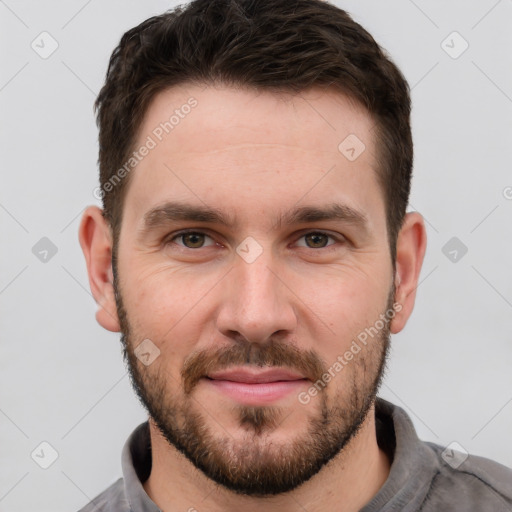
(253, 466)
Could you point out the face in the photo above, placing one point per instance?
(253, 265)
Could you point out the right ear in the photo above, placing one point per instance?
(96, 242)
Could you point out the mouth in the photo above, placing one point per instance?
(255, 386)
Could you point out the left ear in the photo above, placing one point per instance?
(410, 251)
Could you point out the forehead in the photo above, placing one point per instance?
(235, 147)
(314, 119)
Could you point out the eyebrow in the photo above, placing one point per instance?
(328, 212)
(177, 211)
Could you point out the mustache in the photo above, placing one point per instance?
(200, 364)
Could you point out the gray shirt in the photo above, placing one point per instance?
(424, 476)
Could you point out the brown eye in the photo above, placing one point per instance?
(316, 240)
(192, 240)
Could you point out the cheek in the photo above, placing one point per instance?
(163, 291)
(166, 306)
(346, 302)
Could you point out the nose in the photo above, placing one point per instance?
(257, 303)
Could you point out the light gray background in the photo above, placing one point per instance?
(62, 379)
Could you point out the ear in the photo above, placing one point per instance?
(96, 242)
(410, 251)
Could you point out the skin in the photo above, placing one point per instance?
(256, 156)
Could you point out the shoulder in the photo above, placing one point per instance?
(112, 499)
(468, 482)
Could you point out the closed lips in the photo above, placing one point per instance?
(256, 377)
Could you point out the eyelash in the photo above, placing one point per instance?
(174, 236)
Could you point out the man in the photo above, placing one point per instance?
(255, 252)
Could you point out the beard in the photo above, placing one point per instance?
(255, 464)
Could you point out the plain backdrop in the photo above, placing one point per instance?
(62, 379)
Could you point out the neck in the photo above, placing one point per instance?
(346, 483)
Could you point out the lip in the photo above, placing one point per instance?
(255, 387)
(256, 376)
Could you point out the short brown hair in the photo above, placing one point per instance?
(261, 44)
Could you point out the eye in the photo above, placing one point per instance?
(192, 239)
(316, 240)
